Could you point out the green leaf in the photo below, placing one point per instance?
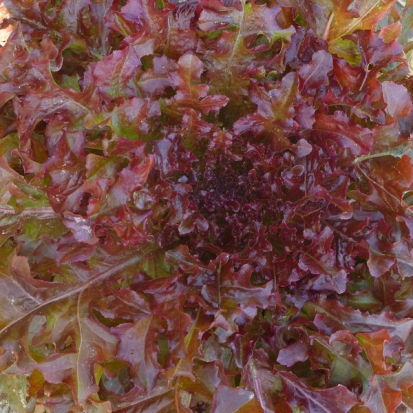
(155, 265)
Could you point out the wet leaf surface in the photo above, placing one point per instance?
(206, 206)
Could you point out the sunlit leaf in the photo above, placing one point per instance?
(206, 206)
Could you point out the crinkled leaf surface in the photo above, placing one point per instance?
(206, 206)
(338, 398)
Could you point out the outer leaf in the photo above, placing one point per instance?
(130, 120)
(260, 378)
(398, 101)
(148, 21)
(293, 353)
(406, 35)
(91, 350)
(231, 288)
(343, 132)
(191, 198)
(373, 344)
(137, 347)
(153, 81)
(338, 398)
(384, 254)
(319, 259)
(35, 107)
(251, 20)
(382, 396)
(341, 353)
(314, 75)
(11, 398)
(12, 316)
(332, 316)
(114, 72)
(156, 401)
(81, 228)
(230, 400)
(360, 15)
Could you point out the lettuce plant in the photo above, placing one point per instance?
(206, 206)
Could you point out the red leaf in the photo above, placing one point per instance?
(95, 344)
(231, 288)
(149, 21)
(42, 106)
(66, 172)
(360, 15)
(114, 72)
(195, 197)
(384, 253)
(398, 100)
(131, 178)
(320, 259)
(213, 103)
(187, 77)
(381, 397)
(137, 346)
(80, 227)
(332, 316)
(293, 353)
(132, 119)
(343, 132)
(229, 54)
(155, 80)
(70, 251)
(391, 32)
(275, 109)
(315, 74)
(338, 399)
(373, 344)
(258, 376)
(230, 400)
